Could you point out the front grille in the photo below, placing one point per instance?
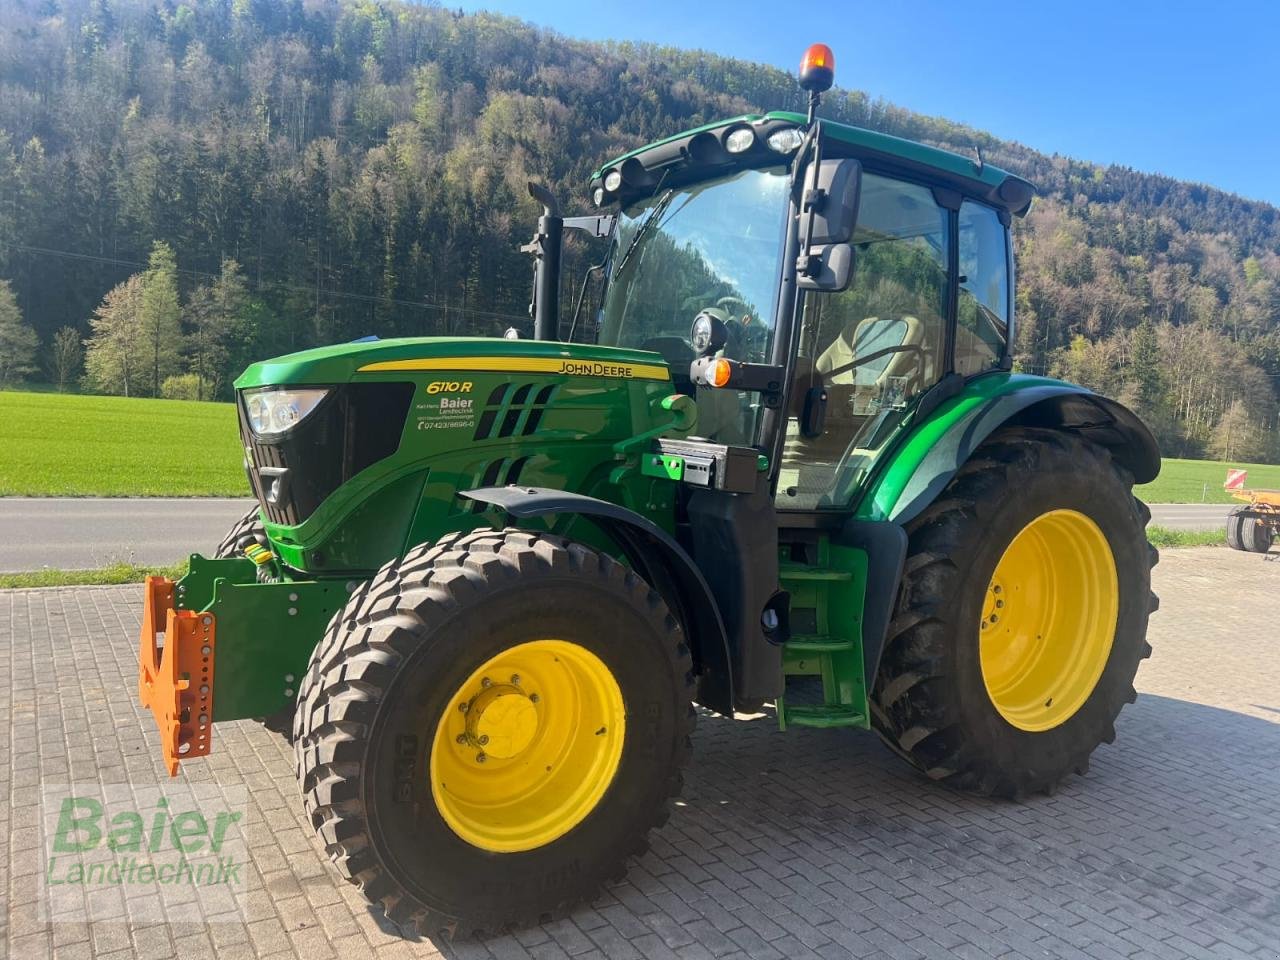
(354, 427)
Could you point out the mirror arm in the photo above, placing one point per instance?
(599, 226)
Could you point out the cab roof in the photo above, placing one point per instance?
(693, 150)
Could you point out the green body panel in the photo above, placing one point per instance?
(866, 140)
(264, 632)
(880, 498)
(338, 363)
(411, 497)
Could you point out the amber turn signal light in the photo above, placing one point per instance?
(719, 373)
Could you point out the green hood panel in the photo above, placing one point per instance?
(341, 362)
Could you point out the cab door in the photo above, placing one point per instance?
(872, 349)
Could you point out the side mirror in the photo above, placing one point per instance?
(830, 268)
(836, 212)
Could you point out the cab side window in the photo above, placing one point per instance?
(982, 326)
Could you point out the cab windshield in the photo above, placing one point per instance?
(711, 246)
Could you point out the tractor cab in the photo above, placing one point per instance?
(845, 278)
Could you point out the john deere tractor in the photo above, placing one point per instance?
(780, 463)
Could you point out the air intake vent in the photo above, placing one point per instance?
(497, 473)
(514, 410)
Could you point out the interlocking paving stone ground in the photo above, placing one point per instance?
(805, 844)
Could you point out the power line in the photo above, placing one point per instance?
(277, 284)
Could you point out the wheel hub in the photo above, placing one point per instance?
(501, 720)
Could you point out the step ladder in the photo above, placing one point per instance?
(833, 652)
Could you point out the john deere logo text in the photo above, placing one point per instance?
(589, 368)
(449, 386)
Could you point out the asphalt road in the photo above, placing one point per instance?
(1190, 516)
(78, 534)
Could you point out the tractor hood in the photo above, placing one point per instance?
(341, 363)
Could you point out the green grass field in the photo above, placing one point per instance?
(60, 445)
(1196, 481)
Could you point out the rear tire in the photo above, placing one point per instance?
(1256, 535)
(932, 700)
(388, 683)
(1235, 526)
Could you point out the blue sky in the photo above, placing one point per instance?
(1188, 90)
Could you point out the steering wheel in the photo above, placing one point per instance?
(842, 465)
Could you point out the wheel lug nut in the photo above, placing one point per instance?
(515, 679)
(481, 758)
(463, 707)
(999, 603)
(996, 588)
(486, 683)
(484, 738)
(534, 698)
(462, 738)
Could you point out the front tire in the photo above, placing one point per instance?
(490, 727)
(1021, 619)
(247, 529)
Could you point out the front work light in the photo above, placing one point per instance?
(818, 69)
(273, 411)
(740, 140)
(612, 181)
(785, 140)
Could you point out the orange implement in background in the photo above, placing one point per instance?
(175, 677)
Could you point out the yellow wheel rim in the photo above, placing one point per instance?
(527, 746)
(1048, 620)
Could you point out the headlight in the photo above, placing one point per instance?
(275, 411)
(612, 181)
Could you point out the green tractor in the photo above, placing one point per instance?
(784, 461)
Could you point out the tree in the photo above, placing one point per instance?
(1144, 364)
(1235, 437)
(160, 315)
(216, 317)
(117, 349)
(18, 342)
(66, 353)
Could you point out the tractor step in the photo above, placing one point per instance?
(818, 643)
(822, 716)
(799, 571)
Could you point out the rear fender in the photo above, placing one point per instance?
(653, 554)
(922, 466)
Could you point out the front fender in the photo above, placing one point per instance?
(653, 554)
(925, 462)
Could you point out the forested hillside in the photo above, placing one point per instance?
(273, 175)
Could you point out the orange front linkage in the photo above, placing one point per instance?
(176, 681)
